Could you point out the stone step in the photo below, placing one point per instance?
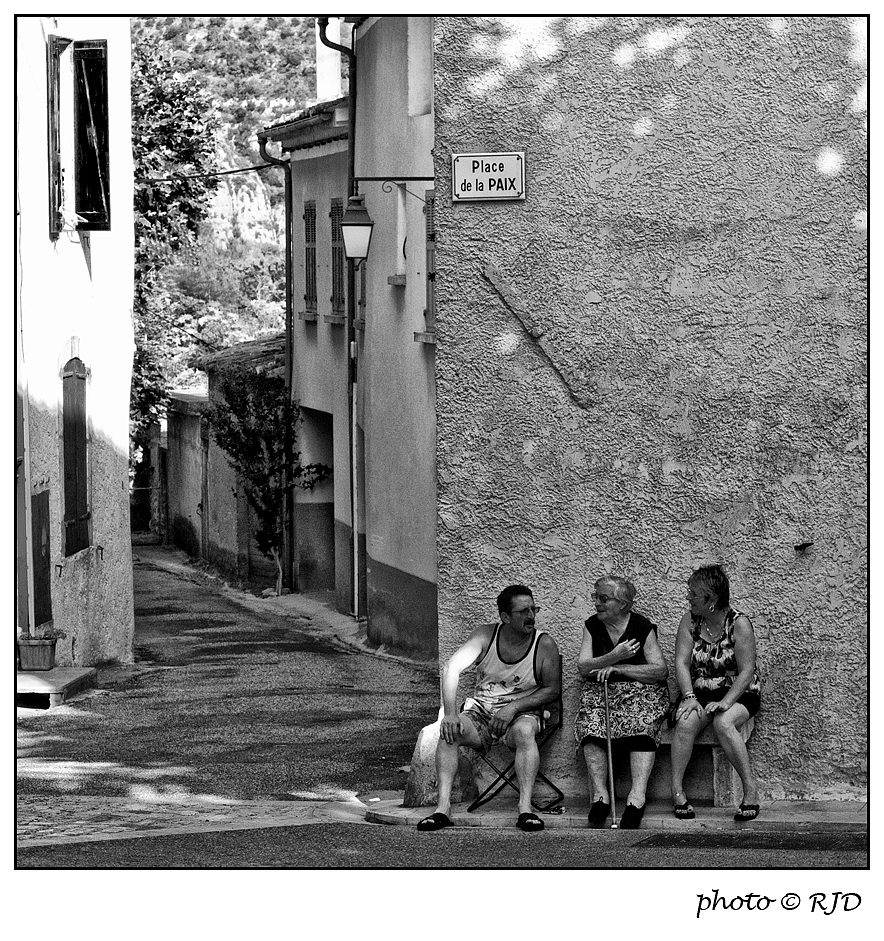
(57, 684)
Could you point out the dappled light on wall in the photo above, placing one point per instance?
(829, 162)
(652, 44)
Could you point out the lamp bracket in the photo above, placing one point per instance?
(388, 182)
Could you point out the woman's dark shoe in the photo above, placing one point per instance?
(684, 811)
(598, 813)
(632, 817)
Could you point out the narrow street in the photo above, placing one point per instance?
(230, 702)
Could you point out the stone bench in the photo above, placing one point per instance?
(709, 776)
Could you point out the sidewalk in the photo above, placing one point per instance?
(90, 819)
(782, 816)
(42, 822)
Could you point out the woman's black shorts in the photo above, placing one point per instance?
(752, 701)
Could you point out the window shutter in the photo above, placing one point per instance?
(429, 211)
(310, 256)
(92, 170)
(55, 46)
(76, 497)
(338, 257)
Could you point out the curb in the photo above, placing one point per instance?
(658, 817)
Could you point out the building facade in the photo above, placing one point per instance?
(75, 262)
(657, 360)
(366, 390)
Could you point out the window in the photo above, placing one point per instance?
(88, 207)
(310, 256)
(338, 257)
(76, 497)
(429, 212)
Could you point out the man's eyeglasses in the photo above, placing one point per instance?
(603, 598)
(531, 610)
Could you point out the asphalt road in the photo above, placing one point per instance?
(230, 702)
(354, 846)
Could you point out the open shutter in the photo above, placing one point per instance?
(92, 171)
(55, 46)
(429, 212)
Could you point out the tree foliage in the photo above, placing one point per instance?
(173, 143)
(258, 71)
(250, 415)
(202, 87)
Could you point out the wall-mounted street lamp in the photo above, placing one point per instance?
(356, 226)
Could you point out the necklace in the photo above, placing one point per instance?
(704, 628)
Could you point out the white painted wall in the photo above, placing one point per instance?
(75, 298)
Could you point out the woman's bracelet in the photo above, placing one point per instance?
(688, 695)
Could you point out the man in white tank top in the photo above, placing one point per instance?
(517, 673)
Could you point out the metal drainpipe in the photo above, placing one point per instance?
(352, 190)
(290, 524)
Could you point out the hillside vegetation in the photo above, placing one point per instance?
(219, 279)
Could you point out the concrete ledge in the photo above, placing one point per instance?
(59, 683)
(792, 816)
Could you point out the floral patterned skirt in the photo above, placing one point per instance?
(635, 709)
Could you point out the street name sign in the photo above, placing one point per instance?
(487, 176)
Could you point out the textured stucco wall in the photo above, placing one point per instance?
(657, 360)
(75, 299)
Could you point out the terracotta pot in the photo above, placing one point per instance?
(37, 653)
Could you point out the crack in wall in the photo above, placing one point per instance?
(513, 302)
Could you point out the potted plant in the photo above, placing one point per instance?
(37, 651)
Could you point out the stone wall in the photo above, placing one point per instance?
(657, 360)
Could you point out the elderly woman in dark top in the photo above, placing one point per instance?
(620, 646)
(719, 681)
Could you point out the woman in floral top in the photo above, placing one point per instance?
(718, 678)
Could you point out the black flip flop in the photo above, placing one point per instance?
(683, 811)
(747, 812)
(530, 823)
(435, 821)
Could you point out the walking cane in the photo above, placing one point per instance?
(610, 760)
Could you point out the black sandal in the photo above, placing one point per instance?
(684, 811)
(598, 814)
(530, 823)
(747, 812)
(435, 821)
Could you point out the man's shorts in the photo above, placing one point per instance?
(482, 722)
